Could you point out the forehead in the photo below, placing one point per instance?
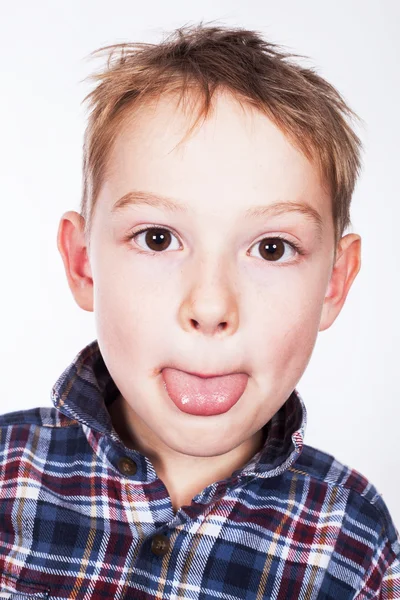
(236, 157)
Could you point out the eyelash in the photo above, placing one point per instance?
(131, 236)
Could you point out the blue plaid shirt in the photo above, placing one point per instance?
(83, 516)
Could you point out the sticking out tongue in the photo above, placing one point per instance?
(203, 396)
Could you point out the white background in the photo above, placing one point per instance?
(350, 387)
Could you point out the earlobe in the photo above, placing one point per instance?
(72, 247)
(347, 265)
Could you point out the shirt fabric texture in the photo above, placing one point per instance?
(82, 516)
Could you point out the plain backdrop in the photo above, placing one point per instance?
(350, 386)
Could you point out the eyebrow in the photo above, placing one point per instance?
(138, 197)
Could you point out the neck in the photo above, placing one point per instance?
(183, 475)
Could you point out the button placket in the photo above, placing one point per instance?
(127, 466)
(160, 545)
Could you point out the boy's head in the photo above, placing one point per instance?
(241, 166)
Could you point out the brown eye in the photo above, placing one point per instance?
(273, 249)
(156, 239)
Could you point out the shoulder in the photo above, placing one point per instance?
(324, 467)
(35, 417)
(33, 442)
(364, 503)
(24, 428)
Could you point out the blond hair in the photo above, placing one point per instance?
(305, 107)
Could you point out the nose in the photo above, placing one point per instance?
(210, 305)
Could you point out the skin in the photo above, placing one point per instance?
(210, 301)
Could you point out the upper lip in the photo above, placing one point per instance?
(208, 375)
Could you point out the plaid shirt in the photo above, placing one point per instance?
(82, 516)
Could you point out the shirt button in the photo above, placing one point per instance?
(127, 466)
(160, 545)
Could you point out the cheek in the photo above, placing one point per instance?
(131, 297)
(285, 327)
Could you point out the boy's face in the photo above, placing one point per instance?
(213, 299)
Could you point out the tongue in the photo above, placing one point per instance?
(203, 396)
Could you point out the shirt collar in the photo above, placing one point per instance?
(85, 389)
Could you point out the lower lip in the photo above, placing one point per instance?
(203, 396)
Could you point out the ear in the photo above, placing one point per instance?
(72, 247)
(345, 269)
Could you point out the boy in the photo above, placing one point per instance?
(218, 176)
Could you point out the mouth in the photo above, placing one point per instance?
(204, 394)
(208, 375)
